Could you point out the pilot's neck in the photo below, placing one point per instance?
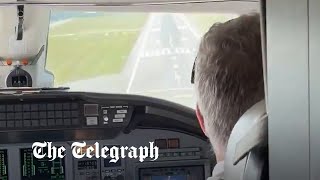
(219, 152)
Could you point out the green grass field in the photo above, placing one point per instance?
(204, 21)
(88, 47)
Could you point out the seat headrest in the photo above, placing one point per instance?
(247, 145)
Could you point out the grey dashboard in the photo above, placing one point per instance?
(109, 119)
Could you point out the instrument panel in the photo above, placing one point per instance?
(187, 162)
(109, 120)
(66, 114)
(33, 168)
(4, 164)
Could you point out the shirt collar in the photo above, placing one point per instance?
(218, 170)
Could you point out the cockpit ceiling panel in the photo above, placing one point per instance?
(228, 6)
(133, 2)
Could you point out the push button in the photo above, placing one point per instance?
(74, 113)
(67, 122)
(59, 122)
(58, 114)
(26, 107)
(51, 114)
(119, 116)
(75, 121)
(122, 111)
(34, 107)
(66, 114)
(58, 106)
(18, 115)
(27, 123)
(42, 107)
(50, 107)
(66, 106)
(26, 115)
(10, 116)
(35, 123)
(3, 116)
(43, 115)
(43, 122)
(117, 120)
(3, 124)
(34, 115)
(51, 122)
(91, 121)
(2, 108)
(10, 124)
(18, 108)
(91, 109)
(18, 124)
(10, 108)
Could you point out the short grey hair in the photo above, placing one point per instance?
(229, 74)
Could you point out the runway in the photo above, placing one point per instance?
(159, 65)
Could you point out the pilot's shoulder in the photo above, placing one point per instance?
(215, 178)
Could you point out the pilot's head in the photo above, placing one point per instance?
(228, 77)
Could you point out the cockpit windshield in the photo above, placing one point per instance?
(148, 54)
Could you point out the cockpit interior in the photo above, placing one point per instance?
(100, 90)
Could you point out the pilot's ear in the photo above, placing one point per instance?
(200, 119)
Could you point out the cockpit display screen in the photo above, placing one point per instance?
(172, 173)
(34, 169)
(175, 177)
(3, 164)
(87, 164)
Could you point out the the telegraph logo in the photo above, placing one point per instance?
(82, 150)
